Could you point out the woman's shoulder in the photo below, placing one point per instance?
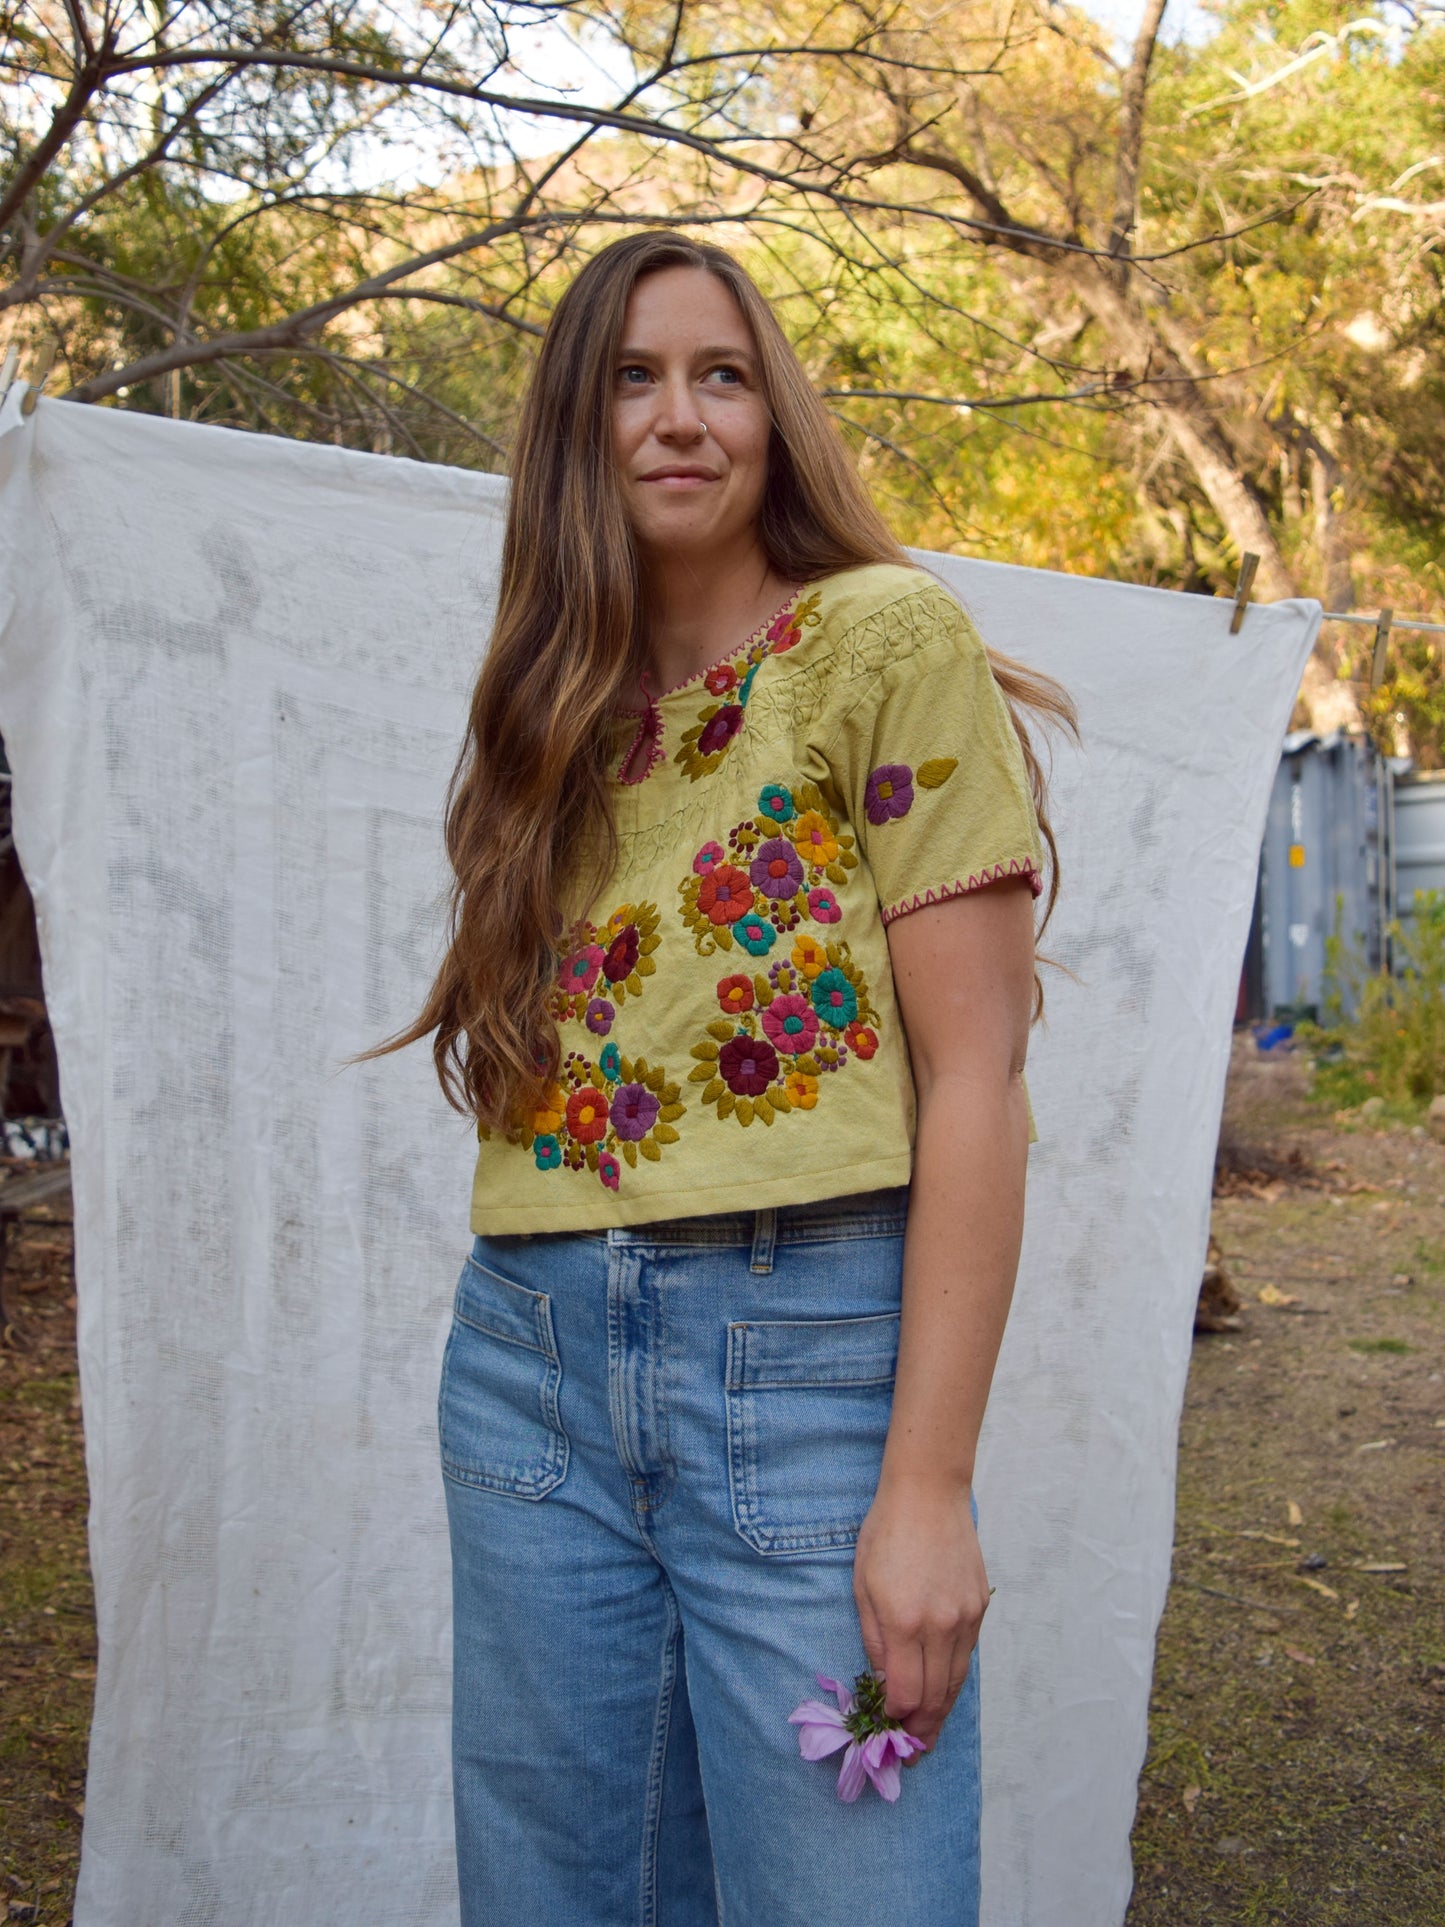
(884, 612)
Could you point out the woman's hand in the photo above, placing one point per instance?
(921, 1591)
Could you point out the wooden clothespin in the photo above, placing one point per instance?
(7, 369)
(1248, 564)
(1382, 643)
(38, 377)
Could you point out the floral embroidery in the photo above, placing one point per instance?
(766, 1056)
(708, 741)
(888, 793)
(603, 967)
(601, 1115)
(786, 877)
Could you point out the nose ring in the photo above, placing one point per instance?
(701, 431)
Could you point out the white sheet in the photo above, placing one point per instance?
(232, 677)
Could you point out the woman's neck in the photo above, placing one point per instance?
(699, 608)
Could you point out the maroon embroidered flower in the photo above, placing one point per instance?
(579, 972)
(747, 1065)
(599, 1016)
(777, 869)
(609, 1170)
(634, 1111)
(823, 907)
(708, 858)
(720, 728)
(889, 792)
(621, 958)
(720, 680)
(725, 895)
(791, 1024)
(587, 1115)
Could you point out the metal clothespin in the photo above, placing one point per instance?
(1382, 643)
(38, 377)
(7, 369)
(1248, 564)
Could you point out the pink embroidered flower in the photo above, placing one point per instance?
(719, 730)
(876, 1747)
(708, 858)
(823, 907)
(747, 1065)
(599, 1016)
(783, 632)
(634, 1111)
(720, 680)
(725, 895)
(735, 994)
(889, 792)
(609, 1170)
(586, 1115)
(863, 1040)
(621, 958)
(579, 972)
(791, 1024)
(777, 869)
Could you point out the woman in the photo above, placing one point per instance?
(744, 1033)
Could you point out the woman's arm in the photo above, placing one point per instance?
(963, 971)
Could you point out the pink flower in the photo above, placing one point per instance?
(823, 907)
(609, 1170)
(580, 970)
(874, 1752)
(790, 1024)
(708, 858)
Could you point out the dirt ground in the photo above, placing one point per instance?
(1296, 1768)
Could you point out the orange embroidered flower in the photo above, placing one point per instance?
(549, 1113)
(802, 1090)
(724, 895)
(862, 1040)
(814, 839)
(809, 957)
(735, 994)
(587, 1115)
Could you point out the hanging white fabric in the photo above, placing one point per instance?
(233, 677)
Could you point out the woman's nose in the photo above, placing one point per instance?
(677, 417)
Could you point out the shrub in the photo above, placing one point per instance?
(1393, 1045)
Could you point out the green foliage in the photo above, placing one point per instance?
(1393, 1046)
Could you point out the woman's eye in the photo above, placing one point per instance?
(633, 376)
(728, 376)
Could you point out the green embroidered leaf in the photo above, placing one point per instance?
(664, 1134)
(763, 1108)
(809, 1063)
(835, 873)
(706, 1051)
(671, 1112)
(936, 771)
(649, 1150)
(745, 1110)
(701, 1074)
(629, 1151)
(724, 936)
(591, 1157)
(645, 966)
(780, 1099)
(596, 1079)
(634, 983)
(764, 990)
(722, 1028)
(669, 1094)
(725, 1104)
(625, 1066)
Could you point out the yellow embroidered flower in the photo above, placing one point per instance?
(809, 957)
(549, 1113)
(815, 839)
(802, 1090)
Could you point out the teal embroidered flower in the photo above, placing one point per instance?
(547, 1152)
(776, 801)
(834, 998)
(610, 1063)
(756, 935)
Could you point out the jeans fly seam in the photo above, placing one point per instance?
(652, 1818)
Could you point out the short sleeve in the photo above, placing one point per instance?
(927, 759)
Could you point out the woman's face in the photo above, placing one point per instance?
(688, 362)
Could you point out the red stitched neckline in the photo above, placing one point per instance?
(727, 656)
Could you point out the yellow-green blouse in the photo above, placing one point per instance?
(730, 1038)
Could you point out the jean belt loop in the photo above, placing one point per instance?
(765, 1236)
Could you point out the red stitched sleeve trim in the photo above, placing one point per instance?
(1013, 868)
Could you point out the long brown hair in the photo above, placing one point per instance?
(529, 806)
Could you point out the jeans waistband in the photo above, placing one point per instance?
(859, 1214)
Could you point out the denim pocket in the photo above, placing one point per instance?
(497, 1407)
(808, 1402)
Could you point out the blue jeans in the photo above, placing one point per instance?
(658, 1446)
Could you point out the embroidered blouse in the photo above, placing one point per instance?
(730, 1037)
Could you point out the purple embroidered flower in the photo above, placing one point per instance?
(747, 1065)
(634, 1111)
(823, 907)
(599, 1016)
(720, 728)
(889, 792)
(777, 869)
(876, 1747)
(609, 1170)
(579, 972)
(708, 858)
(790, 1024)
